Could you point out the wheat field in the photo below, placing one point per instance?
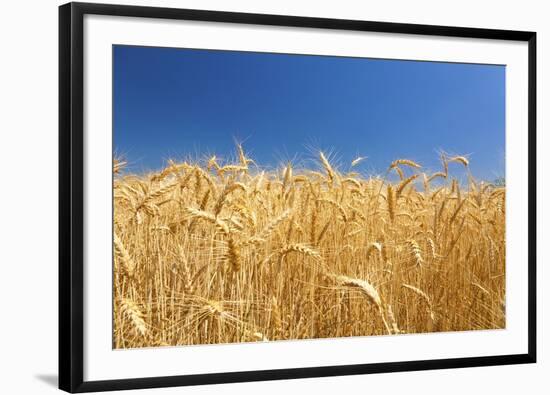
(213, 252)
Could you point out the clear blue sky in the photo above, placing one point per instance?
(177, 103)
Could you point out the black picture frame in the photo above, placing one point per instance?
(71, 173)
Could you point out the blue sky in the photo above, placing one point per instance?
(181, 103)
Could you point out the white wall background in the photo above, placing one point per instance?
(28, 194)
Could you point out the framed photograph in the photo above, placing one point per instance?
(251, 197)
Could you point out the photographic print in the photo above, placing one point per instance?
(263, 197)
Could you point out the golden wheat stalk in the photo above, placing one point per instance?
(424, 296)
(134, 315)
(199, 214)
(122, 254)
(367, 290)
(302, 249)
(328, 168)
(404, 162)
